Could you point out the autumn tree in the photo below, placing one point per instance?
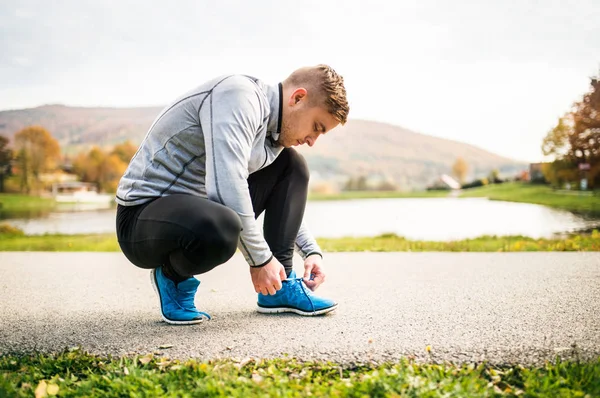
(5, 159)
(356, 184)
(576, 140)
(124, 151)
(37, 152)
(460, 169)
(494, 176)
(103, 168)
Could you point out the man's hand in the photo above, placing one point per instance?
(313, 265)
(267, 279)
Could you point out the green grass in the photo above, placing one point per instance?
(14, 240)
(16, 203)
(581, 203)
(59, 243)
(75, 373)
(394, 243)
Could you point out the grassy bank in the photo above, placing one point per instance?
(23, 203)
(14, 240)
(79, 374)
(577, 202)
(393, 243)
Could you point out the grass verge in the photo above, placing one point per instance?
(17, 205)
(14, 240)
(75, 373)
(577, 202)
(394, 243)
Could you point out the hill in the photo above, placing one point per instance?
(377, 150)
(411, 159)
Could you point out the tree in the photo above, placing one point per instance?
(356, 184)
(37, 152)
(124, 151)
(576, 140)
(101, 168)
(556, 141)
(494, 177)
(5, 158)
(460, 169)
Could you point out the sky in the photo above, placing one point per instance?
(495, 74)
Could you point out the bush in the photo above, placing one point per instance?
(474, 184)
(6, 229)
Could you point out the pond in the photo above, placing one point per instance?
(423, 219)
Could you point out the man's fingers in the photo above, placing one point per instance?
(277, 284)
(316, 282)
(310, 284)
(272, 290)
(307, 272)
(282, 276)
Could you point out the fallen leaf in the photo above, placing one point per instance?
(126, 371)
(145, 359)
(40, 391)
(256, 378)
(165, 346)
(52, 389)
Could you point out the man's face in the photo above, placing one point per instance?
(303, 124)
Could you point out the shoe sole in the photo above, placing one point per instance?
(279, 310)
(170, 321)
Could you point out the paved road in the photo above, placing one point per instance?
(500, 307)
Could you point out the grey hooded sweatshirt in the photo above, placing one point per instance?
(206, 143)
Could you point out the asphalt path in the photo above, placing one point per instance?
(467, 307)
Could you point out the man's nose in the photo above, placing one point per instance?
(311, 140)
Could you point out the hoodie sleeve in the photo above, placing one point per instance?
(306, 245)
(230, 123)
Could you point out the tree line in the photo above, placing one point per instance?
(36, 153)
(575, 142)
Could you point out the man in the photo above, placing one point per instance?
(211, 163)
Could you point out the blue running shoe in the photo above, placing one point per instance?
(295, 297)
(177, 301)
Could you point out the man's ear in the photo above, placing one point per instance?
(298, 95)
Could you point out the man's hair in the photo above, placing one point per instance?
(328, 86)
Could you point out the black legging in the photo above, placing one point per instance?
(190, 235)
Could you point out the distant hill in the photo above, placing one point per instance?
(378, 150)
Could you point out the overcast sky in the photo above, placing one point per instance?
(496, 74)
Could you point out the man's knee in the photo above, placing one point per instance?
(297, 164)
(229, 229)
(223, 230)
(213, 241)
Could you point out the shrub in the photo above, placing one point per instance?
(6, 229)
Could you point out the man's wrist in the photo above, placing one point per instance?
(263, 264)
(312, 254)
